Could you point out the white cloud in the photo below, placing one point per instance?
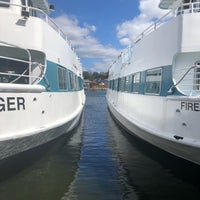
(129, 30)
(85, 44)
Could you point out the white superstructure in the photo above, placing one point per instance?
(154, 85)
(41, 83)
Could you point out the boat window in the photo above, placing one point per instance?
(122, 83)
(6, 4)
(62, 78)
(72, 81)
(23, 2)
(186, 4)
(116, 84)
(111, 86)
(196, 5)
(126, 84)
(13, 71)
(14, 65)
(77, 85)
(135, 82)
(129, 83)
(189, 6)
(196, 85)
(80, 83)
(153, 81)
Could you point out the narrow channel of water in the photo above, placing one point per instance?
(101, 161)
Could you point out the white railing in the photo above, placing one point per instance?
(154, 26)
(188, 80)
(184, 8)
(36, 12)
(25, 77)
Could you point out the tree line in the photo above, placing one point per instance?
(95, 75)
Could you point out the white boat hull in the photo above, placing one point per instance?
(154, 85)
(37, 121)
(41, 79)
(11, 147)
(168, 144)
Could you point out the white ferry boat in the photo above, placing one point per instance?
(154, 85)
(41, 83)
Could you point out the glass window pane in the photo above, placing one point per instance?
(153, 81)
(136, 82)
(5, 4)
(62, 78)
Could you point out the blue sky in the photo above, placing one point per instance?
(99, 30)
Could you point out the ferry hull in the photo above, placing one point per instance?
(176, 147)
(41, 79)
(13, 146)
(34, 118)
(154, 85)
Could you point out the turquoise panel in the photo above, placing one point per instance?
(51, 82)
(166, 83)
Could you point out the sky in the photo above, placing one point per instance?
(100, 29)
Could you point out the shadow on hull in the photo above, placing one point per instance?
(180, 168)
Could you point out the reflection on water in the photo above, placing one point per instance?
(98, 174)
(153, 173)
(101, 161)
(49, 175)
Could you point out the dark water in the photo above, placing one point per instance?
(99, 161)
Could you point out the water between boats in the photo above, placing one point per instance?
(98, 160)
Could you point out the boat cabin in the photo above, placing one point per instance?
(25, 4)
(18, 63)
(181, 6)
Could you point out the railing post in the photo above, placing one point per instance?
(46, 19)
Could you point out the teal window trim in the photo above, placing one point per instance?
(165, 83)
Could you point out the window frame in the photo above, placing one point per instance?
(62, 78)
(153, 84)
(136, 77)
(2, 5)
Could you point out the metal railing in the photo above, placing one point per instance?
(154, 26)
(184, 8)
(25, 77)
(188, 80)
(36, 12)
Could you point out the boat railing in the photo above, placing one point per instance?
(184, 8)
(154, 26)
(187, 79)
(21, 75)
(36, 12)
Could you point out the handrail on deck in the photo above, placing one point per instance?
(184, 8)
(23, 74)
(36, 12)
(153, 26)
